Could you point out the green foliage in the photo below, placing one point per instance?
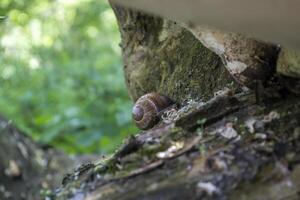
(61, 74)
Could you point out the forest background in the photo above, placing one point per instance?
(61, 74)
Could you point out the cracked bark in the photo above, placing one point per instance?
(228, 146)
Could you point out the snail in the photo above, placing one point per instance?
(145, 112)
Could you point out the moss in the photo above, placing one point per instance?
(161, 56)
(234, 167)
(289, 63)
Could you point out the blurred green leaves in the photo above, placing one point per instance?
(61, 78)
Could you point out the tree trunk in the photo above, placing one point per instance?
(233, 144)
(161, 56)
(220, 141)
(227, 148)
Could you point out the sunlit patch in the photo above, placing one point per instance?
(15, 43)
(8, 72)
(92, 31)
(35, 28)
(47, 41)
(34, 63)
(70, 2)
(108, 16)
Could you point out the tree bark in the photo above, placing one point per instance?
(219, 142)
(233, 144)
(227, 148)
(161, 56)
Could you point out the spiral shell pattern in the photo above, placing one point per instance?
(145, 112)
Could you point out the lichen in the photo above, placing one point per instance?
(288, 63)
(172, 61)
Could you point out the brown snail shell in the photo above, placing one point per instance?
(145, 112)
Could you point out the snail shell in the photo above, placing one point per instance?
(146, 109)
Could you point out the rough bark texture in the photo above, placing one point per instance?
(289, 63)
(235, 145)
(246, 59)
(227, 148)
(231, 145)
(288, 66)
(161, 56)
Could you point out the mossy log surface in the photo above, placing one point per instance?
(230, 147)
(233, 145)
(288, 65)
(161, 56)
